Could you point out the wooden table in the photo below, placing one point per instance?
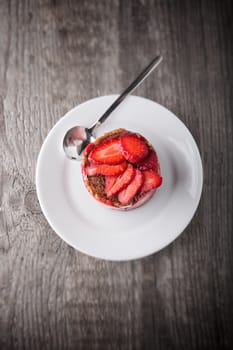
(55, 55)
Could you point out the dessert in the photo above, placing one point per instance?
(121, 169)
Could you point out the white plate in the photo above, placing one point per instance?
(102, 232)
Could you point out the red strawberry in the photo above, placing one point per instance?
(127, 194)
(133, 147)
(151, 180)
(88, 148)
(107, 152)
(109, 182)
(104, 169)
(150, 162)
(122, 181)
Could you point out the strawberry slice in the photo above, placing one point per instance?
(127, 194)
(150, 162)
(151, 180)
(122, 181)
(88, 148)
(107, 152)
(133, 147)
(104, 169)
(109, 182)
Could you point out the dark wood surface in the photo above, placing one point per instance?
(55, 55)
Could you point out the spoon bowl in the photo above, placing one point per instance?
(75, 141)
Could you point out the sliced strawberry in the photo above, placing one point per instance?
(133, 147)
(107, 152)
(88, 148)
(150, 162)
(126, 195)
(123, 180)
(151, 180)
(104, 169)
(109, 182)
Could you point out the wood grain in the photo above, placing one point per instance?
(55, 55)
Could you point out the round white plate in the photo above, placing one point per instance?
(102, 232)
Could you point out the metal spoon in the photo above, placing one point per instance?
(77, 138)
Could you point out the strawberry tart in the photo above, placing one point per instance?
(121, 169)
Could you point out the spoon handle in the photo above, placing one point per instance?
(143, 75)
